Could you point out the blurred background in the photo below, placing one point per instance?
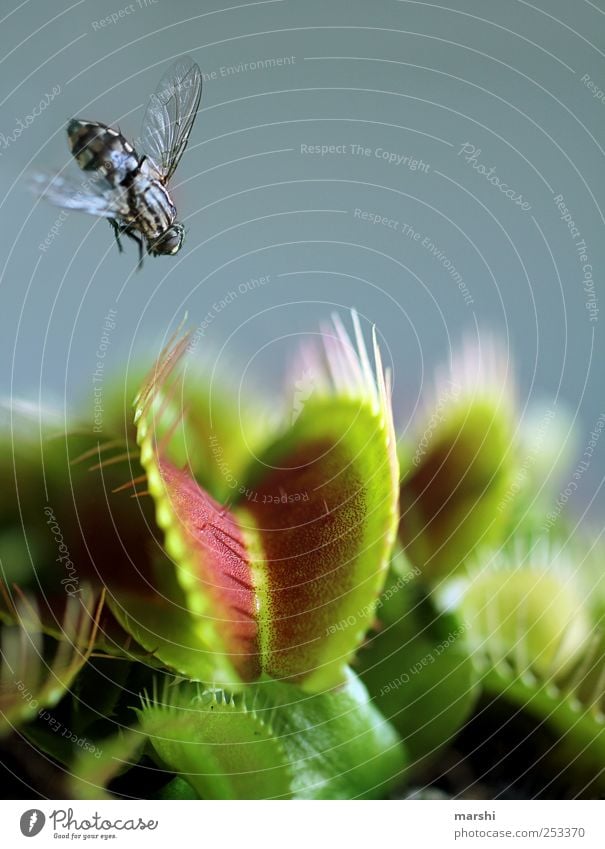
(346, 154)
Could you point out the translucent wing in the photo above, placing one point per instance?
(170, 115)
(93, 195)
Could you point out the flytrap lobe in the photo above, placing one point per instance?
(459, 462)
(250, 745)
(537, 644)
(262, 584)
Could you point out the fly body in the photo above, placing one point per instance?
(128, 187)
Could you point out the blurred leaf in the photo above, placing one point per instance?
(31, 676)
(217, 430)
(526, 604)
(536, 645)
(457, 475)
(92, 772)
(178, 788)
(419, 672)
(574, 710)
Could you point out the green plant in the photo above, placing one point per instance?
(293, 605)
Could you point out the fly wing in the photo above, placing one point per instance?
(170, 115)
(93, 195)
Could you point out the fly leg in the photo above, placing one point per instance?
(139, 242)
(116, 232)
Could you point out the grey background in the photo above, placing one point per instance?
(413, 78)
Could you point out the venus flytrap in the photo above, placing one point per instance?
(274, 741)
(528, 604)
(455, 472)
(249, 561)
(269, 741)
(303, 544)
(457, 468)
(536, 644)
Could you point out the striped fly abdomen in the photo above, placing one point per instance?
(99, 148)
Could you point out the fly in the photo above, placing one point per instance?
(129, 188)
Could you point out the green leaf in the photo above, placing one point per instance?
(177, 788)
(159, 620)
(419, 671)
(91, 772)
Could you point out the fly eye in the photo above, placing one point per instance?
(169, 242)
